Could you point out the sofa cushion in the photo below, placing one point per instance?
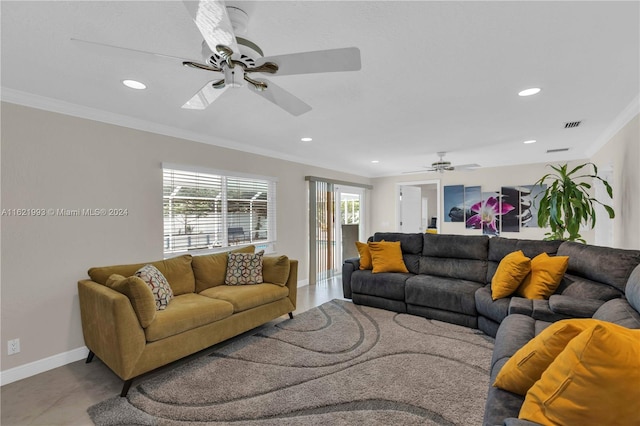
(139, 294)
(275, 269)
(389, 285)
(449, 294)
(618, 311)
(177, 271)
(584, 288)
(574, 307)
(410, 243)
(211, 269)
(186, 312)
(386, 257)
(632, 289)
(526, 366)
(545, 276)
(365, 255)
(594, 380)
(496, 310)
(244, 297)
(244, 268)
(464, 269)
(607, 265)
(158, 284)
(513, 268)
(456, 246)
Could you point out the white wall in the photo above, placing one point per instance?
(622, 154)
(55, 161)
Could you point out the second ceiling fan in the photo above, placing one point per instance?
(238, 60)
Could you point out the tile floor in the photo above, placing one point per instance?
(62, 396)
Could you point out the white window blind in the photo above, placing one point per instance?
(205, 211)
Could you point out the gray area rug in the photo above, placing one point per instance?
(336, 364)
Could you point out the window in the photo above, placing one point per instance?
(205, 211)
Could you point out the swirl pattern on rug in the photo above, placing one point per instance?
(338, 363)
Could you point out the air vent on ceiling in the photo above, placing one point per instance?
(572, 124)
(550, 151)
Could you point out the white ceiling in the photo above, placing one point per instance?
(436, 76)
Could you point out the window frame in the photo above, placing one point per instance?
(267, 245)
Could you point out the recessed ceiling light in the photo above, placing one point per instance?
(375, 161)
(306, 139)
(134, 84)
(530, 141)
(529, 92)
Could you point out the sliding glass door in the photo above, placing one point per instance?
(335, 223)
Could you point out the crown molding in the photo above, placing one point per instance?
(618, 123)
(67, 108)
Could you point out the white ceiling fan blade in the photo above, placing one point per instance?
(205, 97)
(470, 167)
(212, 20)
(282, 98)
(126, 50)
(345, 59)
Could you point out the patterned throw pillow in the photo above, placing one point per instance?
(244, 268)
(158, 284)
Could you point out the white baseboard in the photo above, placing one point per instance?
(303, 283)
(31, 369)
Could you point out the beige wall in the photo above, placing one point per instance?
(57, 161)
(622, 154)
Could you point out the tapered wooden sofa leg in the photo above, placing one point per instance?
(125, 387)
(89, 357)
(290, 315)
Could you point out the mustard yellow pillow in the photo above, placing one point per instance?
(139, 294)
(275, 269)
(365, 255)
(526, 366)
(545, 276)
(386, 256)
(513, 268)
(595, 381)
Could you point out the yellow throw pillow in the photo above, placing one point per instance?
(275, 269)
(139, 294)
(545, 276)
(526, 366)
(595, 381)
(513, 268)
(386, 256)
(365, 255)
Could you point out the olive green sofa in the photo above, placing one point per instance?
(204, 311)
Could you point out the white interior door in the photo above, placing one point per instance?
(410, 209)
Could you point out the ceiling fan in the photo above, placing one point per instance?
(442, 166)
(240, 62)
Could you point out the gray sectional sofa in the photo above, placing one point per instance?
(449, 280)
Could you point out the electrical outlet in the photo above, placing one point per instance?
(13, 346)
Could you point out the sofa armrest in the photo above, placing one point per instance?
(292, 282)
(110, 327)
(348, 266)
(520, 305)
(574, 307)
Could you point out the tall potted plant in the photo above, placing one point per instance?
(566, 204)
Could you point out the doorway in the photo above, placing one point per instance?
(418, 206)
